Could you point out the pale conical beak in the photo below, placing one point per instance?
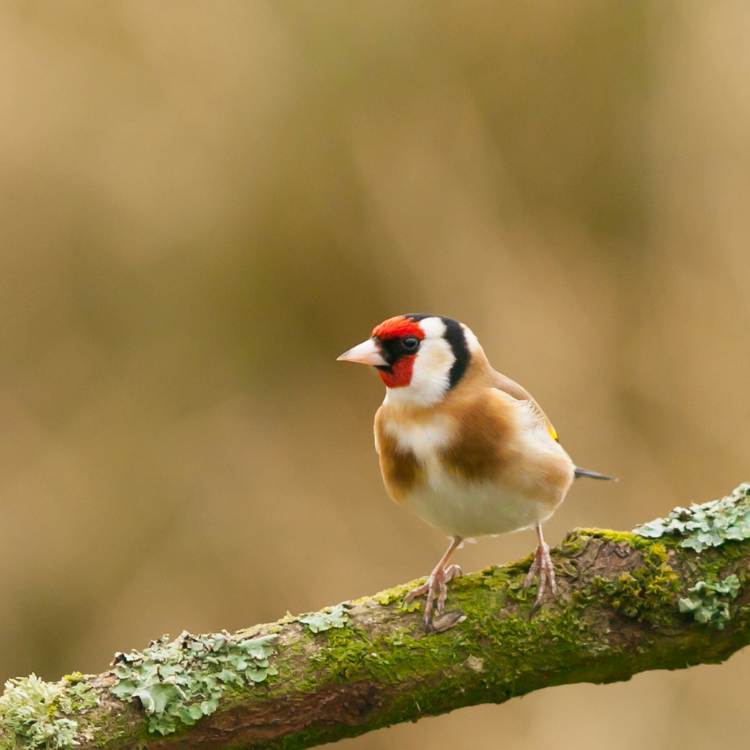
(366, 353)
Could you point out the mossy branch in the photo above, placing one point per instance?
(672, 595)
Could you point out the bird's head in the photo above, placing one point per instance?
(420, 358)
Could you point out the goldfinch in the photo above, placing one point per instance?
(464, 447)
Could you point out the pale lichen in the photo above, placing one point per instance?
(708, 603)
(39, 712)
(704, 525)
(332, 617)
(179, 682)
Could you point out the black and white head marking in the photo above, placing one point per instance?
(443, 358)
(455, 335)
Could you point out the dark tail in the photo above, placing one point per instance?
(579, 472)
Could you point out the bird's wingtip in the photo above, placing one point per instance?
(588, 474)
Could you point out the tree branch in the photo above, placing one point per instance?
(627, 603)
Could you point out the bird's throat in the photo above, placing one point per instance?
(398, 375)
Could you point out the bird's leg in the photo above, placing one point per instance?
(436, 590)
(543, 567)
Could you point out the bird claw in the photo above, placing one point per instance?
(542, 567)
(436, 591)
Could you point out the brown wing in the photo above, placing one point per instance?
(504, 383)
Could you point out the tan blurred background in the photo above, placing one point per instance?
(202, 204)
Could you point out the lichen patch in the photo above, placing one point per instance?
(709, 603)
(41, 713)
(179, 682)
(704, 525)
(333, 617)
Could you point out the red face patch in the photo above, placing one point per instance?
(390, 333)
(398, 327)
(400, 373)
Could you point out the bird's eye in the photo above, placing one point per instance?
(410, 343)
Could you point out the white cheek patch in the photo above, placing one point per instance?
(430, 378)
(433, 365)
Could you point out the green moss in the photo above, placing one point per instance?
(628, 538)
(501, 621)
(497, 577)
(408, 654)
(574, 543)
(178, 682)
(647, 593)
(705, 525)
(708, 603)
(393, 595)
(494, 652)
(508, 582)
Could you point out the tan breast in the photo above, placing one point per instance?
(470, 437)
(479, 438)
(402, 471)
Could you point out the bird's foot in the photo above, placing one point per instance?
(436, 591)
(545, 570)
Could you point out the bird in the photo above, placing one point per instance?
(464, 447)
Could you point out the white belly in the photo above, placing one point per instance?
(459, 507)
(470, 510)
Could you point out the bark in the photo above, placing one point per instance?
(617, 613)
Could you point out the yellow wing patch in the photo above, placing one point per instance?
(504, 383)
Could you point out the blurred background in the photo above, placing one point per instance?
(203, 204)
